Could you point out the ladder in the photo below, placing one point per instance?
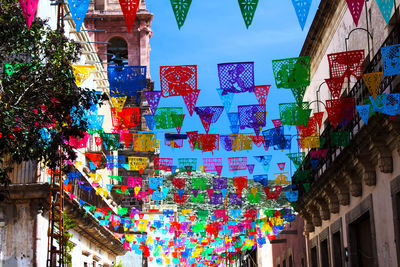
(55, 233)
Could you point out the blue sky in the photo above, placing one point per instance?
(214, 32)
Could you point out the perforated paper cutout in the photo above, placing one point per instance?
(126, 80)
(293, 114)
(386, 7)
(164, 115)
(28, 9)
(248, 9)
(355, 7)
(252, 116)
(129, 9)
(340, 110)
(82, 72)
(178, 80)
(137, 163)
(261, 93)
(346, 64)
(78, 10)
(298, 93)
(391, 60)
(237, 163)
(335, 86)
(363, 111)
(181, 9)
(292, 72)
(373, 82)
(127, 118)
(340, 138)
(118, 102)
(153, 99)
(226, 99)
(302, 7)
(190, 99)
(236, 77)
(241, 142)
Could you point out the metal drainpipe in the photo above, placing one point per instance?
(35, 239)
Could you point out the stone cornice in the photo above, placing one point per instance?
(329, 12)
(88, 226)
(352, 169)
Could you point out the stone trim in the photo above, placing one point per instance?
(394, 190)
(366, 206)
(324, 235)
(314, 242)
(337, 227)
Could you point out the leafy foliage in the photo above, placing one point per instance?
(38, 92)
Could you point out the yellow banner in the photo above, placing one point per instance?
(82, 72)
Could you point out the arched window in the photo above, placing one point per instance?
(117, 51)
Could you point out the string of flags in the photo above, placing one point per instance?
(180, 8)
(217, 212)
(217, 215)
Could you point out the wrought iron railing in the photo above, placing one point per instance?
(360, 93)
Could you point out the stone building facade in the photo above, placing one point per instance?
(25, 212)
(351, 210)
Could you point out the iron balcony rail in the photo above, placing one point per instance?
(360, 93)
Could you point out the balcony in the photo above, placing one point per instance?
(360, 93)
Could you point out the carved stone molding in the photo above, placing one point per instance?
(385, 160)
(342, 190)
(354, 181)
(368, 169)
(324, 211)
(315, 215)
(308, 225)
(395, 131)
(333, 201)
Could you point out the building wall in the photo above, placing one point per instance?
(23, 217)
(113, 25)
(85, 251)
(17, 235)
(294, 246)
(333, 39)
(383, 215)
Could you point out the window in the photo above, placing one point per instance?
(290, 261)
(284, 263)
(361, 242)
(395, 192)
(302, 262)
(337, 249)
(314, 257)
(324, 253)
(99, 4)
(117, 51)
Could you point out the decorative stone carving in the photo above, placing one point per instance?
(308, 225)
(385, 160)
(333, 201)
(323, 209)
(342, 190)
(315, 215)
(394, 128)
(368, 169)
(355, 182)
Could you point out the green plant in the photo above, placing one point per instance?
(38, 92)
(69, 246)
(115, 264)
